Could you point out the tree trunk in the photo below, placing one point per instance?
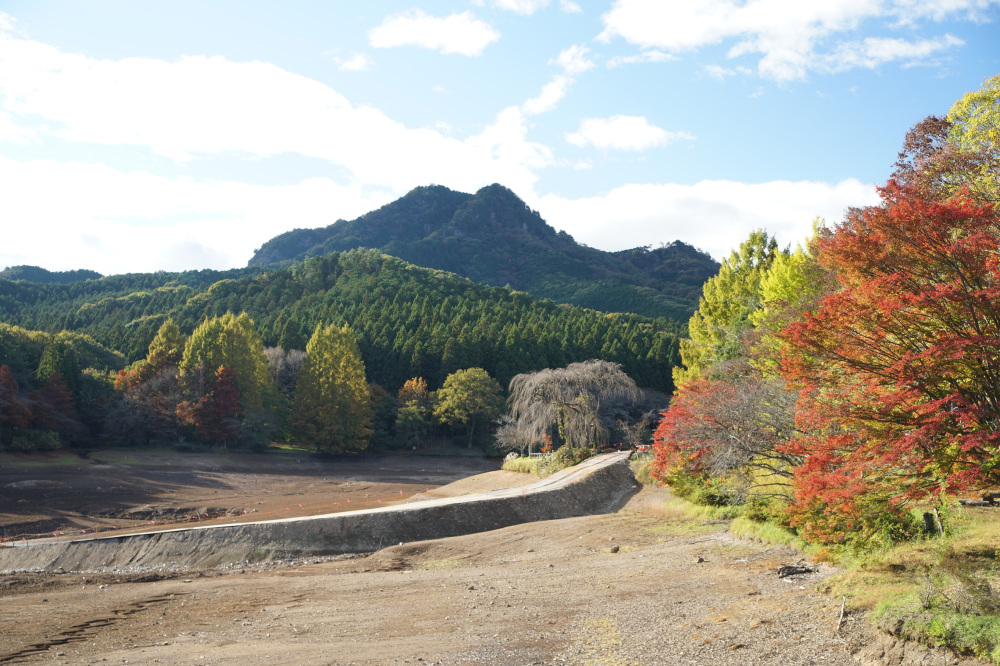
(472, 427)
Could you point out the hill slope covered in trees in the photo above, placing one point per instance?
(38, 274)
(410, 321)
(492, 237)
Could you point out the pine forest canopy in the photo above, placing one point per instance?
(493, 237)
(38, 274)
(409, 321)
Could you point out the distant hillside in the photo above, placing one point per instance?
(38, 274)
(410, 321)
(493, 237)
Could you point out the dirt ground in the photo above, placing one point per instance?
(65, 491)
(641, 586)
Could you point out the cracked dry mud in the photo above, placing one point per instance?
(541, 593)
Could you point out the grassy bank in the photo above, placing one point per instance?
(942, 591)
(551, 463)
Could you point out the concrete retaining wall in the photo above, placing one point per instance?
(599, 485)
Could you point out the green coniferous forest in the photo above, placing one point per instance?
(410, 321)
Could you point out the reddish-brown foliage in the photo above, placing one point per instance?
(900, 369)
(731, 425)
(13, 412)
(215, 415)
(53, 408)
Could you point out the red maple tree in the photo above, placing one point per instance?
(900, 369)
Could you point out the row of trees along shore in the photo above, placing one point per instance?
(221, 386)
(830, 387)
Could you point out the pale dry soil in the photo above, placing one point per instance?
(66, 491)
(556, 592)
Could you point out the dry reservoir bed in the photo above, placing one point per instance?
(538, 593)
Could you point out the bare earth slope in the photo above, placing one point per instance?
(538, 593)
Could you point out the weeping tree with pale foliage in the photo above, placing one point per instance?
(569, 398)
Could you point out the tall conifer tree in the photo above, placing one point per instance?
(331, 408)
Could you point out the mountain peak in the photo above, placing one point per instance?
(494, 237)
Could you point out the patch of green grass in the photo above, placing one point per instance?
(289, 447)
(942, 627)
(548, 464)
(641, 470)
(524, 465)
(942, 591)
(665, 515)
(768, 533)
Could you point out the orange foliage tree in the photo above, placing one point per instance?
(899, 370)
(215, 416)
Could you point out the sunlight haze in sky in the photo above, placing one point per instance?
(183, 135)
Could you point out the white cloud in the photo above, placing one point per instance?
(11, 131)
(526, 7)
(463, 33)
(874, 51)
(786, 34)
(646, 56)
(358, 62)
(199, 106)
(633, 133)
(720, 73)
(550, 96)
(574, 60)
(714, 215)
(93, 216)
(569, 7)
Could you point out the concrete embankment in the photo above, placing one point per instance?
(599, 485)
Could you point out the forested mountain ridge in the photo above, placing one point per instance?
(410, 321)
(493, 237)
(38, 274)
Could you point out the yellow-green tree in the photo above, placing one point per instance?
(165, 351)
(167, 348)
(715, 331)
(331, 409)
(793, 284)
(467, 397)
(230, 341)
(975, 129)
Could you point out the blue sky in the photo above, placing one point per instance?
(170, 136)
